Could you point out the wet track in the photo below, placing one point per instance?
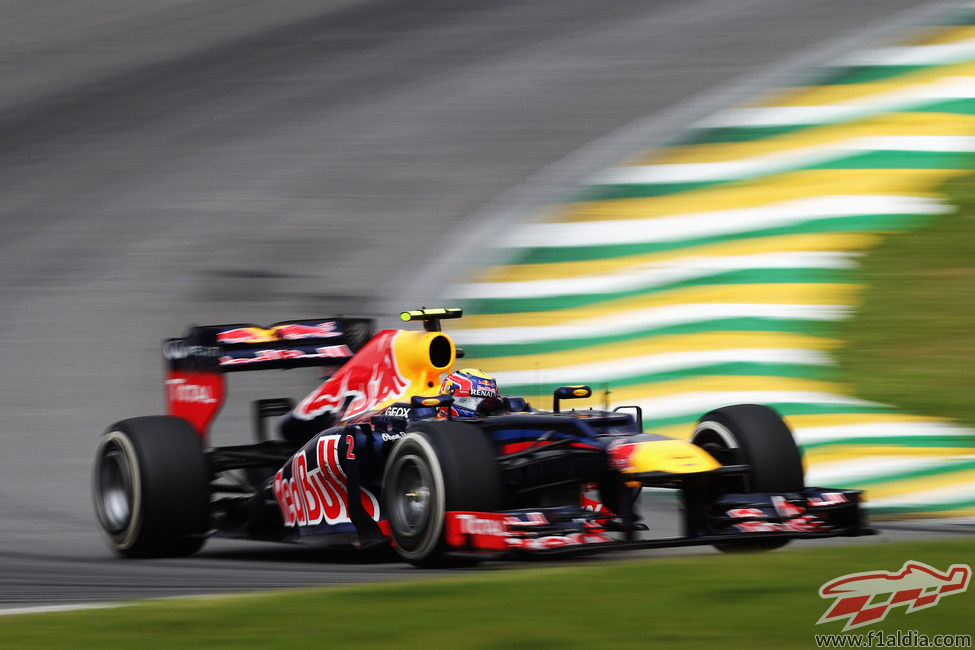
(228, 161)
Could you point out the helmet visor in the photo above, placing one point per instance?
(467, 403)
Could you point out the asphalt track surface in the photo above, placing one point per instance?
(184, 161)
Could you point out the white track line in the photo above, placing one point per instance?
(896, 100)
(937, 54)
(960, 494)
(626, 322)
(647, 276)
(617, 369)
(880, 430)
(780, 161)
(692, 405)
(717, 223)
(859, 469)
(46, 609)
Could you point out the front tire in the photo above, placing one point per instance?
(436, 468)
(151, 487)
(754, 435)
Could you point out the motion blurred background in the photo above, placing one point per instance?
(178, 162)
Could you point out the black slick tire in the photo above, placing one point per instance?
(151, 487)
(754, 435)
(437, 467)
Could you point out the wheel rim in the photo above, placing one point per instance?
(115, 491)
(411, 490)
(719, 442)
(718, 451)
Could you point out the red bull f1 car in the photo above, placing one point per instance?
(374, 457)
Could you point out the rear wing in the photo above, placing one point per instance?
(196, 363)
(288, 344)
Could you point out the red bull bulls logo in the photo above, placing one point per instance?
(297, 331)
(865, 598)
(244, 335)
(373, 379)
(284, 332)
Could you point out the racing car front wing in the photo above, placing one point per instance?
(748, 519)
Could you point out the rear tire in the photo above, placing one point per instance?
(436, 468)
(151, 487)
(754, 435)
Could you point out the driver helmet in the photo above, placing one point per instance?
(470, 388)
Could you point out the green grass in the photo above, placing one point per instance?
(912, 343)
(758, 601)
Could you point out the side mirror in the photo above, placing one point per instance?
(512, 403)
(432, 401)
(637, 410)
(569, 392)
